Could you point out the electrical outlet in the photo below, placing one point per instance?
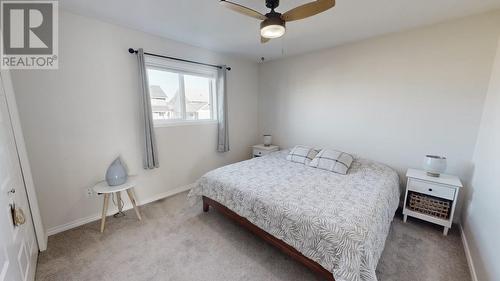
(90, 192)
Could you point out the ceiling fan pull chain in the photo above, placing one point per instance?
(283, 46)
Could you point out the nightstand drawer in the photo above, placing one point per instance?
(432, 189)
(259, 152)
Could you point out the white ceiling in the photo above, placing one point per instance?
(205, 23)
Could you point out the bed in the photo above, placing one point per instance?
(334, 224)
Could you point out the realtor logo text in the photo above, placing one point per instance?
(30, 35)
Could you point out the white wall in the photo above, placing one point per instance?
(78, 118)
(393, 98)
(481, 219)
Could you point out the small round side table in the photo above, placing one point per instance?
(103, 188)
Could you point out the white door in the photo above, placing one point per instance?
(18, 246)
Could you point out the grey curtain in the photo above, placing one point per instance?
(150, 151)
(222, 116)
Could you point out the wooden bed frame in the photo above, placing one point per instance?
(285, 248)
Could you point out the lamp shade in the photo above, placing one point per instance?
(434, 165)
(268, 140)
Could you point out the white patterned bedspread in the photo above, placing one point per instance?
(339, 221)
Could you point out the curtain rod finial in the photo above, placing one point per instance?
(130, 50)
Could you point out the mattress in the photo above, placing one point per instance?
(339, 221)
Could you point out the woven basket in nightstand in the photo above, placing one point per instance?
(429, 205)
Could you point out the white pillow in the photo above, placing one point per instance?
(332, 160)
(302, 154)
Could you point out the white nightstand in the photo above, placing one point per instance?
(441, 191)
(261, 150)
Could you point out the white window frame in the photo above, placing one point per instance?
(186, 69)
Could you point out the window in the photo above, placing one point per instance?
(180, 92)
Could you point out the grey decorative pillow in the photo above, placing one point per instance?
(302, 154)
(332, 160)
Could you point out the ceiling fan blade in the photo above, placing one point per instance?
(264, 40)
(242, 10)
(307, 10)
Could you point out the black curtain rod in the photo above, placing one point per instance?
(132, 51)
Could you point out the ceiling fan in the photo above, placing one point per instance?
(273, 23)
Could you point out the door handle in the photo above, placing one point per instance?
(13, 191)
(18, 217)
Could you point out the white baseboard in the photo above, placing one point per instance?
(127, 206)
(468, 255)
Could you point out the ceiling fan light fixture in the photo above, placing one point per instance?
(273, 27)
(273, 24)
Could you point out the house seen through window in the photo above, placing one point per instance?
(181, 95)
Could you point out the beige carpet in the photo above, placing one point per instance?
(177, 242)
